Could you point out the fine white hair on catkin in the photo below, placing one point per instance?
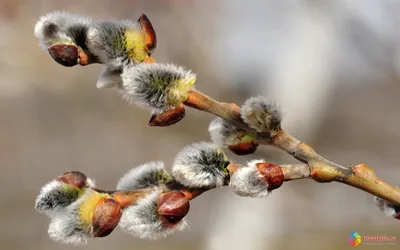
(60, 26)
(222, 132)
(155, 85)
(106, 40)
(144, 176)
(67, 227)
(247, 181)
(56, 196)
(200, 165)
(387, 207)
(261, 114)
(109, 78)
(142, 219)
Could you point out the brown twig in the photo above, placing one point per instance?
(320, 169)
(129, 197)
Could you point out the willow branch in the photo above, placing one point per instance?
(130, 197)
(321, 169)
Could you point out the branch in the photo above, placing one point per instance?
(148, 202)
(288, 172)
(322, 170)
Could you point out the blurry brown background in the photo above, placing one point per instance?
(333, 66)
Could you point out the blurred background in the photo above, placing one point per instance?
(333, 67)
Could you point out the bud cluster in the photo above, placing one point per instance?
(73, 39)
(76, 210)
(125, 48)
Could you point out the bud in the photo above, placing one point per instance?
(162, 87)
(65, 54)
(148, 175)
(92, 215)
(172, 207)
(225, 134)
(61, 192)
(261, 115)
(201, 165)
(244, 148)
(169, 117)
(156, 215)
(387, 208)
(106, 217)
(256, 179)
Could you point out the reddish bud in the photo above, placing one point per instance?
(169, 117)
(106, 217)
(73, 178)
(272, 173)
(172, 207)
(150, 34)
(65, 54)
(244, 148)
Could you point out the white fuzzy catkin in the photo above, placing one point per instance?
(144, 176)
(142, 219)
(200, 165)
(56, 196)
(247, 181)
(387, 207)
(60, 26)
(106, 40)
(260, 114)
(156, 85)
(67, 227)
(221, 132)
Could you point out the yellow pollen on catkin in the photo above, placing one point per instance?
(88, 207)
(136, 45)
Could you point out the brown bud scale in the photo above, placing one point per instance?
(272, 173)
(172, 207)
(149, 33)
(106, 217)
(244, 148)
(65, 54)
(73, 178)
(169, 117)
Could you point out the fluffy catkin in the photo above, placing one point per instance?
(247, 181)
(160, 87)
(224, 133)
(142, 219)
(387, 208)
(200, 165)
(62, 27)
(147, 175)
(261, 114)
(68, 226)
(56, 196)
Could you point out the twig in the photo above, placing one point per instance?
(129, 197)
